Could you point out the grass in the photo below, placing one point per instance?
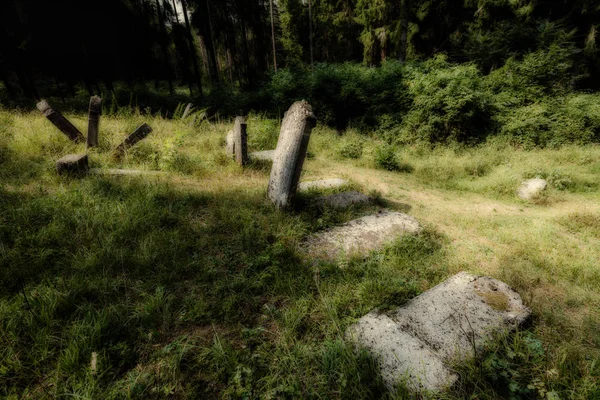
(189, 285)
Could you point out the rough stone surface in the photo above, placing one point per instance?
(122, 172)
(266, 155)
(452, 322)
(230, 144)
(322, 184)
(531, 188)
(361, 235)
(343, 199)
(290, 154)
(402, 357)
(72, 164)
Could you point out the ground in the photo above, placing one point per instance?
(189, 284)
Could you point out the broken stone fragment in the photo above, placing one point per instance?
(448, 324)
(265, 155)
(72, 164)
(531, 188)
(360, 235)
(322, 184)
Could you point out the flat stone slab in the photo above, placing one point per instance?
(322, 184)
(266, 155)
(451, 322)
(361, 235)
(123, 172)
(531, 188)
(72, 164)
(343, 199)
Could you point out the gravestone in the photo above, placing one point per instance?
(60, 122)
(93, 121)
(230, 147)
(452, 322)
(290, 154)
(322, 184)
(360, 235)
(72, 164)
(140, 133)
(531, 188)
(240, 141)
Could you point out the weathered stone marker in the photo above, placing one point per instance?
(93, 121)
(531, 188)
(230, 145)
(290, 153)
(60, 122)
(361, 235)
(72, 164)
(450, 323)
(240, 139)
(141, 132)
(187, 110)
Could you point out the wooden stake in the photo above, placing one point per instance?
(60, 122)
(93, 121)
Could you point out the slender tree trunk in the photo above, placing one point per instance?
(193, 54)
(273, 36)
(310, 32)
(404, 28)
(165, 48)
(175, 12)
(210, 47)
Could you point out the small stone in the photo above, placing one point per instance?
(531, 188)
(265, 155)
(322, 184)
(361, 235)
(343, 200)
(72, 164)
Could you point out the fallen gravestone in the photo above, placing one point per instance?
(531, 188)
(290, 154)
(360, 235)
(343, 199)
(265, 155)
(322, 184)
(416, 343)
(72, 164)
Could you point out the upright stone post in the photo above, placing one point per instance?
(230, 145)
(93, 121)
(60, 122)
(141, 132)
(290, 153)
(240, 140)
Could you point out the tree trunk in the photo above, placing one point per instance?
(404, 28)
(273, 36)
(290, 154)
(165, 48)
(310, 33)
(193, 54)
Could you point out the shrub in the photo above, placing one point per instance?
(352, 148)
(386, 158)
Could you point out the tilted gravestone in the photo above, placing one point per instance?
(141, 132)
(290, 153)
(417, 343)
(93, 121)
(60, 121)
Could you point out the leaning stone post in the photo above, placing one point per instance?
(60, 122)
(290, 153)
(93, 121)
(141, 132)
(240, 140)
